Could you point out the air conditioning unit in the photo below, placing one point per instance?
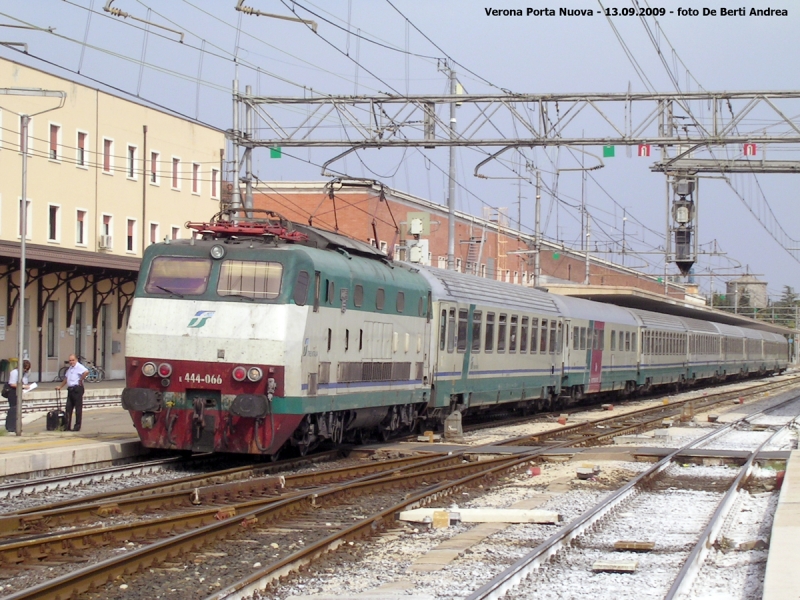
(106, 242)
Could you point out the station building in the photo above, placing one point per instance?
(106, 177)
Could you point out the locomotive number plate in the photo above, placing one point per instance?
(198, 378)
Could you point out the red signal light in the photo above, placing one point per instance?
(239, 373)
(164, 370)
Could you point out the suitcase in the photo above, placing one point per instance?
(57, 418)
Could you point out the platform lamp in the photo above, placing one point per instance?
(23, 142)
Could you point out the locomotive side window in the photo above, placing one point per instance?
(301, 288)
(534, 335)
(401, 302)
(316, 290)
(501, 333)
(420, 307)
(358, 296)
(175, 275)
(249, 278)
(489, 346)
(543, 338)
(380, 299)
(512, 340)
(523, 335)
(346, 340)
(330, 338)
(443, 329)
(463, 315)
(476, 331)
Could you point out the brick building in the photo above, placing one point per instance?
(485, 246)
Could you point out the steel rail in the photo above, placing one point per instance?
(520, 570)
(84, 579)
(682, 584)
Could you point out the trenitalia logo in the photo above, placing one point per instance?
(200, 318)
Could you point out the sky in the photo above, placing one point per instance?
(375, 47)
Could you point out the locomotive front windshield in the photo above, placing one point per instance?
(178, 275)
(249, 278)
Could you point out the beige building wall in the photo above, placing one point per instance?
(105, 178)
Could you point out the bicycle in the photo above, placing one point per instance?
(96, 374)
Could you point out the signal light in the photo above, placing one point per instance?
(164, 370)
(239, 373)
(149, 369)
(255, 374)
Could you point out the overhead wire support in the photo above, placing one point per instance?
(123, 15)
(252, 11)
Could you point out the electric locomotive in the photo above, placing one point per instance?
(257, 334)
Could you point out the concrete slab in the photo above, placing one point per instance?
(781, 581)
(481, 515)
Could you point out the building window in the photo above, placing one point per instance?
(153, 233)
(154, 175)
(52, 330)
(442, 262)
(130, 238)
(80, 227)
(195, 178)
(106, 241)
(55, 138)
(53, 222)
(108, 156)
(107, 225)
(176, 233)
(132, 162)
(80, 158)
(215, 183)
(176, 173)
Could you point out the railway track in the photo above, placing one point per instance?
(295, 518)
(515, 576)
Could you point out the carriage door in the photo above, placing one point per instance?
(566, 338)
(447, 362)
(596, 355)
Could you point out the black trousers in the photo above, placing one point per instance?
(74, 401)
(11, 416)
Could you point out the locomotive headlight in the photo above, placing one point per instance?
(149, 369)
(217, 252)
(255, 374)
(239, 373)
(164, 370)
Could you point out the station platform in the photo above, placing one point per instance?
(781, 581)
(107, 434)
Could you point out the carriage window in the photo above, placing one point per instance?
(489, 346)
(559, 339)
(523, 335)
(501, 333)
(249, 278)
(401, 302)
(178, 275)
(380, 298)
(633, 342)
(451, 327)
(534, 335)
(583, 338)
(476, 331)
(613, 340)
(627, 341)
(358, 296)
(543, 338)
(442, 329)
(576, 338)
(463, 315)
(512, 340)
(301, 288)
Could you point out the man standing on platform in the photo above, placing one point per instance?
(15, 394)
(73, 379)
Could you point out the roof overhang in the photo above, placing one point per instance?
(73, 258)
(636, 298)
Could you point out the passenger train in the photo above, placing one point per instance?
(260, 334)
